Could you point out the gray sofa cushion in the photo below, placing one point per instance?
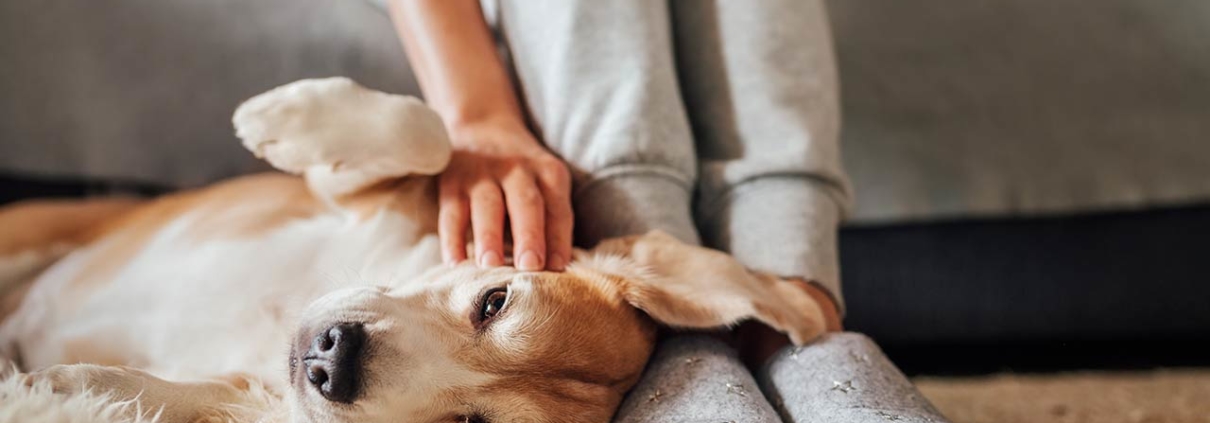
(1022, 107)
(143, 90)
(952, 108)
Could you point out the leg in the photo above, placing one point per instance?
(843, 378)
(342, 137)
(233, 399)
(599, 82)
(765, 110)
(698, 379)
(760, 83)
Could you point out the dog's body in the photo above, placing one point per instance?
(189, 253)
(207, 289)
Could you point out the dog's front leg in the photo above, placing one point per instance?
(342, 137)
(221, 400)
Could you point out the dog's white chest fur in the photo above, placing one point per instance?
(174, 306)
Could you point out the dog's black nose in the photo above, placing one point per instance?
(333, 363)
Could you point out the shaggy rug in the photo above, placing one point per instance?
(24, 404)
(20, 404)
(1161, 396)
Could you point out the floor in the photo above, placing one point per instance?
(1152, 396)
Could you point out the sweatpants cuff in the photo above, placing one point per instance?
(783, 226)
(633, 203)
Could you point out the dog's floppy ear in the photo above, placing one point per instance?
(681, 285)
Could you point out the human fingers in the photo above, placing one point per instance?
(526, 215)
(452, 220)
(487, 221)
(555, 183)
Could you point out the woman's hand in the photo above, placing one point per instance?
(499, 169)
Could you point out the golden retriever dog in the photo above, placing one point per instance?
(322, 298)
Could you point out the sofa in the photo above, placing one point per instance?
(1027, 172)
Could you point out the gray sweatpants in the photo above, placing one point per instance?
(716, 121)
(722, 113)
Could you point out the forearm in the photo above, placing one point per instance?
(499, 170)
(454, 57)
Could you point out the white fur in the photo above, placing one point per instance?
(21, 404)
(194, 282)
(38, 403)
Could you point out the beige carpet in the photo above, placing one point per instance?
(1162, 396)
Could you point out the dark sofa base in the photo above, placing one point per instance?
(17, 188)
(1119, 276)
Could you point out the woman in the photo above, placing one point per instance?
(714, 121)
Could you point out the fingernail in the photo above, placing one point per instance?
(489, 259)
(556, 262)
(529, 261)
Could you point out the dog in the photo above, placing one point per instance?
(321, 296)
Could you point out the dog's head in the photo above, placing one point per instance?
(468, 344)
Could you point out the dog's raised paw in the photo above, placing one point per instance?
(342, 136)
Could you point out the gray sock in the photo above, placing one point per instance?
(843, 377)
(696, 379)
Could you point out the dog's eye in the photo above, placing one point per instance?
(493, 302)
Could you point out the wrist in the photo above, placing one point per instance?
(481, 117)
(493, 135)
